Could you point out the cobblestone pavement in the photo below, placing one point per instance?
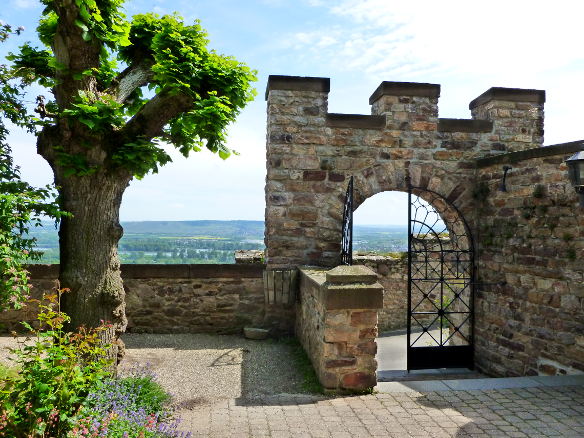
(518, 412)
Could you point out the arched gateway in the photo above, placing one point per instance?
(404, 146)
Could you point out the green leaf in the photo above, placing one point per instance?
(86, 36)
(81, 24)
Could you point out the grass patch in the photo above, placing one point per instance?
(310, 382)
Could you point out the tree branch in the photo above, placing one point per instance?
(155, 114)
(135, 76)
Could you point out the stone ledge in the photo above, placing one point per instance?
(355, 121)
(509, 95)
(344, 274)
(544, 151)
(297, 83)
(413, 89)
(38, 272)
(353, 296)
(464, 125)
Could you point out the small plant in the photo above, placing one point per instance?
(571, 253)
(567, 237)
(481, 191)
(539, 191)
(55, 373)
(135, 406)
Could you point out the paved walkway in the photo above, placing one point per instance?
(542, 411)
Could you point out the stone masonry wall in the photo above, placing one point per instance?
(182, 299)
(529, 313)
(392, 274)
(337, 325)
(311, 154)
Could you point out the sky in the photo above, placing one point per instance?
(466, 46)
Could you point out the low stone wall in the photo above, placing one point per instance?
(182, 299)
(336, 323)
(392, 274)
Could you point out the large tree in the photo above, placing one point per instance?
(118, 89)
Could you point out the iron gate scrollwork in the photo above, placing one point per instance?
(347, 239)
(440, 284)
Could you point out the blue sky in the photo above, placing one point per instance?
(465, 46)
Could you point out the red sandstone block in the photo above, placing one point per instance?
(364, 318)
(338, 363)
(314, 175)
(358, 380)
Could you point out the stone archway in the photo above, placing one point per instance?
(311, 153)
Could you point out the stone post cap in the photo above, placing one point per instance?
(509, 95)
(419, 89)
(344, 274)
(298, 83)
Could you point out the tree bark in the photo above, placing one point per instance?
(89, 264)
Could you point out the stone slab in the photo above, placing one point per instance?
(344, 274)
(412, 386)
(560, 380)
(487, 384)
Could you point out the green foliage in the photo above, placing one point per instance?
(57, 370)
(102, 20)
(481, 191)
(141, 156)
(566, 237)
(99, 113)
(150, 395)
(181, 66)
(21, 205)
(539, 191)
(571, 253)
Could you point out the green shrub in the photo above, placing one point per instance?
(56, 371)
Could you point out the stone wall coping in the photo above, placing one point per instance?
(166, 271)
(464, 125)
(353, 296)
(378, 258)
(509, 95)
(411, 89)
(297, 83)
(315, 275)
(344, 274)
(544, 151)
(361, 121)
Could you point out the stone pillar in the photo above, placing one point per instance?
(517, 116)
(336, 323)
(297, 108)
(411, 110)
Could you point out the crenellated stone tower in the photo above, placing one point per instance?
(311, 154)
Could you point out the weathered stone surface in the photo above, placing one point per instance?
(255, 333)
(210, 304)
(339, 342)
(358, 381)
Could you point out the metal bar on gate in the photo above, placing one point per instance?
(409, 322)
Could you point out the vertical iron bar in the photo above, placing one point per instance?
(409, 322)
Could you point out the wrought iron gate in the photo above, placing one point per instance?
(440, 284)
(347, 239)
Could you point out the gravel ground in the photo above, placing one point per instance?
(199, 369)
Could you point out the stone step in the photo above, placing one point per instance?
(424, 375)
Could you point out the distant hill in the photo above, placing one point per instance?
(237, 228)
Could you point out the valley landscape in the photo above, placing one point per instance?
(208, 241)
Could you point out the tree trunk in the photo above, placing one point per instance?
(90, 266)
